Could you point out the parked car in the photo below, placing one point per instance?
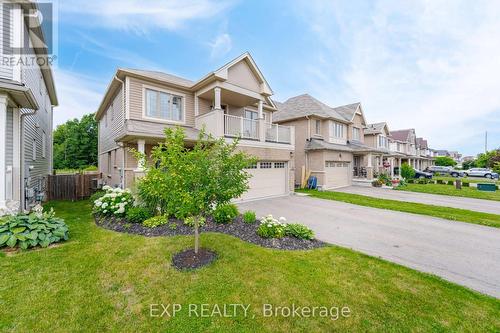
(481, 172)
(440, 170)
(421, 174)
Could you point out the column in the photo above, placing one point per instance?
(219, 113)
(141, 148)
(391, 162)
(369, 167)
(3, 131)
(217, 98)
(262, 123)
(260, 107)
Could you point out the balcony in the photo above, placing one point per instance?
(278, 133)
(244, 128)
(226, 125)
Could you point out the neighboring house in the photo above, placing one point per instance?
(232, 101)
(414, 151)
(27, 97)
(329, 142)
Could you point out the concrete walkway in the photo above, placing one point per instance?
(479, 205)
(463, 253)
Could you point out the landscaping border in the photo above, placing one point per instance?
(239, 229)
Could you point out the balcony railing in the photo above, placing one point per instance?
(241, 127)
(278, 133)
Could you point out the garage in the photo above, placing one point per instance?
(337, 174)
(269, 179)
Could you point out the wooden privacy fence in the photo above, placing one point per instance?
(72, 186)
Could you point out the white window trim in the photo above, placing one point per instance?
(171, 92)
(316, 121)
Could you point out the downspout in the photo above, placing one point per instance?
(22, 206)
(122, 171)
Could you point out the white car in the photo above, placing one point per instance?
(481, 172)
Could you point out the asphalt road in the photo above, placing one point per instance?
(463, 253)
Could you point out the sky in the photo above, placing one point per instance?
(430, 65)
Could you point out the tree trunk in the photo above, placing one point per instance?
(196, 235)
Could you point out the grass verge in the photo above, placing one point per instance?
(448, 213)
(442, 189)
(106, 281)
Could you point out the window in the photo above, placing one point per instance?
(252, 166)
(337, 130)
(399, 146)
(355, 133)
(44, 145)
(382, 141)
(317, 129)
(33, 152)
(266, 165)
(163, 105)
(279, 165)
(249, 114)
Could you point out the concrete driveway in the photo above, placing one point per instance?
(479, 205)
(463, 253)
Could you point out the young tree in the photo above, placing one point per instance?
(190, 183)
(407, 172)
(445, 161)
(75, 143)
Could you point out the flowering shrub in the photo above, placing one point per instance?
(272, 228)
(36, 229)
(114, 202)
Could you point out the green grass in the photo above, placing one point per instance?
(468, 179)
(448, 213)
(105, 281)
(468, 192)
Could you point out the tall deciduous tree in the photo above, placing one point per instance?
(75, 143)
(445, 161)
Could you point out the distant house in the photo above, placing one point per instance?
(27, 97)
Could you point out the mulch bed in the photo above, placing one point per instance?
(237, 228)
(188, 259)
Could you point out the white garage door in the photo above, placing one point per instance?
(337, 174)
(268, 179)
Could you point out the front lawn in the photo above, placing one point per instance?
(448, 213)
(467, 179)
(101, 280)
(468, 192)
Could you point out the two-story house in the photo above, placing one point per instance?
(232, 101)
(415, 150)
(27, 98)
(329, 142)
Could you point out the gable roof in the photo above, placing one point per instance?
(348, 111)
(422, 143)
(303, 106)
(219, 74)
(401, 135)
(376, 128)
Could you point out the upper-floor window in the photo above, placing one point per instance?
(382, 141)
(317, 127)
(337, 130)
(249, 114)
(356, 133)
(164, 105)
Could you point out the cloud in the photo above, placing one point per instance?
(221, 46)
(78, 95)
(431, 65)
(139, 16)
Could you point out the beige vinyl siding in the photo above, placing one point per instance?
(137, 103)
(241, 75)
(301, 135)
(34, 126)
(111, 123)
(5, 25)
(204, 106)
(9, 138)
